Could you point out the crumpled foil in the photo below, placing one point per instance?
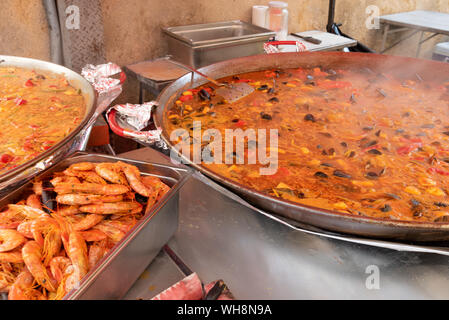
(108, 88)
(138, 116)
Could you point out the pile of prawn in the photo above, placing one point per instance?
(48, 244)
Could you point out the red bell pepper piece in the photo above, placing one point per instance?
(240, 123)
(409, 148)
(29, 83)
(19, 101)
(6, 158)
(186, 98)
(439, 171)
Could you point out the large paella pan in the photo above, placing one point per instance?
(397, 137)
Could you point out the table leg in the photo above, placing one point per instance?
(419, 44)
(384, 38)
(141, 93)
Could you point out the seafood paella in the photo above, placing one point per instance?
(65, 225)
(352, 140)
(38, 109)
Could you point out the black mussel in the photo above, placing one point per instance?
(320, 174)
(263, 87)
(386, 208)
(341, 174)
(141, 199)
(375, 152)
(266, 116)
(204, 95)
(309, 117)
(48, 197)
(428, 126)
(371, 175)
(344, 144)
(324, 164)
(441, 204)
(274, 99)
(369, 128)
(377, 133)
(325, 134)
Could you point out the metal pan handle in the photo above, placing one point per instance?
(150, 138)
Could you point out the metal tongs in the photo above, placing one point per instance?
(230, 92)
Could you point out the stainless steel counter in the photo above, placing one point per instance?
(259, 257)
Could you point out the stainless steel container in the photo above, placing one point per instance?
(119, 269)
(203, 44)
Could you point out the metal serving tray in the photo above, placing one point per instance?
(115, 273)
(203, 44)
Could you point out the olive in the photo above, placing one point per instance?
(309, 117)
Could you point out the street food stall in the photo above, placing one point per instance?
(268, 166)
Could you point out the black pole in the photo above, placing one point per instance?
(331, 16)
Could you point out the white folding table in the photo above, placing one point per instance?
(414, 22)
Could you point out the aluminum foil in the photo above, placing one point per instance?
(107, 87)
(132, 118)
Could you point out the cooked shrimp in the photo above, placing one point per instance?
(82, 166)
(77, 252)
(133, 176)
(124, 224)
(88, 176)
(77, 199)
(52, 245)
(68, 210)
(11, 257)
(112, 232)
(42, 226)
(96, 252)
(111, 198)
(32, 256)
(58, 267)
(11, 218)
(22, 288)
(24, 228)
(87, 222)
(112, 208)
(10, 239)
(34, 201)
(93, 235)
(157, 184)
(29, 212)
(37, 187)
(91, 188)
(64, 179)
(111, 172)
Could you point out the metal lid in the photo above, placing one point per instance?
(278, 4)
